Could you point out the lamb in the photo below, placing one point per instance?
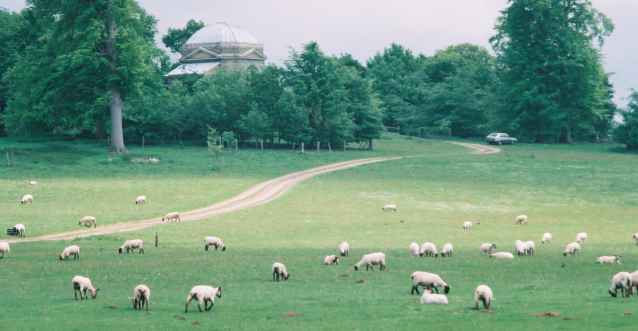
(530, 247)
(415, 250)
(502, 255)
(344, 248)
(447, 250)
(483, 293)
(279, 271)
(21, 229)
(521, 219)
(487, 248)
(173, 216)
(141, 297)
(547, 237)
(82, 284)
(467, 225)
(88, 221)
(132, 245)
(215, 242)
(520, 248)
(608, 259)
(634, 281)
(428, 249)
(331, 259)
(73, 250)
(140, 200)
(26, 199)
(390, 207)
(204, 294)
(571, 249)
(581, 237)
(428, 298)
(428, 281)
(621, 281)
(370, 260)
(4, 248)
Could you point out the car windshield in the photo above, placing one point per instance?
(504, 135)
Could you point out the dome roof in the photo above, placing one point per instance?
(222, 33)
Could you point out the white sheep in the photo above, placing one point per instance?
(581, 237)
(279, 271)
(502, 255)
(173, 216)
(390, 207)
(520, 248)
(571, 249)
(87, 221)
(621, 281)
(331, 259)
(4, 248)
(33, 182)
(521, 219)
(487, 248)
(530, 247)
(344, 248)
(20, 229)
(204, 294)
(635, 237)
(634, 281)
(613, 259)
(467, 225)
(483, 293)
(447, 250)
(415, 250)
(73, 250)
(547, 237)
(429, 298)
(26, 199)
(428, 249)
(141, 297)
(132, 245)
(370, 260)
(215, 242)
(82, 284)
(140, 200)
(428, 281)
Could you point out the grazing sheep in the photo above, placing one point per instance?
(530, 248)
(621, 281)
(141, 297)
(390, 207)
(634, 281)
(215, 242)
(635, 237)
(132, 245)
(428, 281)
(415, 250)
(429, 298)
(82, 284)
(88, 221)
(547, 237)
(344, 248)
(21, 229)
(483, 293)
(487, 248)
(429, 249)
(609, 259)
(467, 225)
(521, 219)
(204, 294)
(4, 248)
(279, 271)
(26, 199)
(73, 250)
(520, 248)
(572, 249)
(140, 200)
(174, 216)
(331, 259)
(370, 260)
(33, 182)
(447, 250)
(581, 237)
(502, 255)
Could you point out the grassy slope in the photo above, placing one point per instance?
(563, 189)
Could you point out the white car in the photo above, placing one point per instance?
(500, 138)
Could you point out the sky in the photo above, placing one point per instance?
(365, 27)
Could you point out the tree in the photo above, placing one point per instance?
(11, 45)
(176, 38)
(627, 132)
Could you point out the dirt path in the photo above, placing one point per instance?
(479, 148)
(257, 195)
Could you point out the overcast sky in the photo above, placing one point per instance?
(365, 27)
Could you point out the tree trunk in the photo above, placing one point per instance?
(370, 147)
(117, 134)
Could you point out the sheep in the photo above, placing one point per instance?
(609, 259)
(26, 199)
(521, 219)
(429, 298)
(141, 297)
(502, 255)
(279, 271)
(140, 200)
(132, 245)
(390, 207)
(634, 281)
(428, 249)
(70, 250)
(344, 248)
(520, 248)
(547, 237)
(415, 250)
(572, 249)
(467, 225)
(621, 281)
(88, 221)
(20, 229)
(530, 247)
(215, 242)
(487, 248)
(581, 237)
(370, 260)
(635, 237)
(483, 293)
(33, 182)
(447, 250)
(331, 259)
(82, 284)
(204, 294)
(173, 216)
(4, 248)
(428, 281)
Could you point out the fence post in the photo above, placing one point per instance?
(156, 239)
(318, 146)
(302, 148)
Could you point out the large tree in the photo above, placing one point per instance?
(175, 38)
(627, 132)
(11, 45)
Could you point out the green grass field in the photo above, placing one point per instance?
(563, 189)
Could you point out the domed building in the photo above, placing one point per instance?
(219, 46)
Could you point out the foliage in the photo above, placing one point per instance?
(10, 46)
(175, 38)
(627, 132)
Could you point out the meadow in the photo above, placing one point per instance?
(437, 186)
